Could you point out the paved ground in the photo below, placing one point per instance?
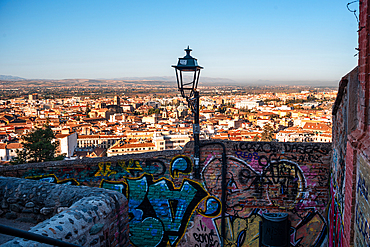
(15, 224)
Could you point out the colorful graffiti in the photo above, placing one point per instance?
(362, 209)
(280, 183)
(51, 178)
(158, 211)
(180, 164)
(168, 207)
(241, 232)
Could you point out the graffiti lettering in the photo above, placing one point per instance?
(252, 147)
(362, 187)
(204, 238)
(136, 168)
(362, 225)
(302, 148)
(51, 178)
(160, 212)
(104, 170)
(247, 156)
(180, 164)
(305, 148)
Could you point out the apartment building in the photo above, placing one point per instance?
(67, 143)
(102, 141)
(171, 141)
(122, 148)
(248, 104)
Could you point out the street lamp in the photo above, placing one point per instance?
(188, 90)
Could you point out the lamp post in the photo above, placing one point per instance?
(188, 90)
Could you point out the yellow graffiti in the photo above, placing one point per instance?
(310, 232)
(243, 232)
(104, 170)
(130, 165)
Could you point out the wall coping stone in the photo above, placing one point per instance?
(80, 214)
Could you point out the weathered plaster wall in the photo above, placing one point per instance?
(80, 215)
(168, 206)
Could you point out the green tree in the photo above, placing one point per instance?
(152, 110)
(267, 134)
(222, 109)
(37, 147)
(256, 138)
(87, 111)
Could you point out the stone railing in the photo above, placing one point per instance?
(76, 214)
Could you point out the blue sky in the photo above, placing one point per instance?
(240, 40)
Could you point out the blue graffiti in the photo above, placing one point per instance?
(159, 212)
(362, 225)
(213, 207)
(247, 156)
(181, 164)
(113, 185)
(362, 187)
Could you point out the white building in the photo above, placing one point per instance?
(102, 141)
(295, 136)
(8, 151)
(67, 143)
(248, 104)
(165, 142)
(122, 148)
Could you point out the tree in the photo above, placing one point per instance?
(152, 110)
(267, 134)
(87, 111)
(37, 147)
(256, 138)
(222, 109)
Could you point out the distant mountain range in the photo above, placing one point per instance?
(10, 78)
(173, 78)
(154, 80)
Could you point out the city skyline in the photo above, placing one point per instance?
(241, 41)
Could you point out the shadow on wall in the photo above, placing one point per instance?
(167, 206)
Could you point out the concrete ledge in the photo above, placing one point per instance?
(81, 215)
(86, 161)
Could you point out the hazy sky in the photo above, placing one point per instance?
(240, 40)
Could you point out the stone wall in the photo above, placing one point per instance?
(169, 207)
(80, 215)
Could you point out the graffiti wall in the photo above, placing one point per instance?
(168, 207)
(345, 122)
(362, 208)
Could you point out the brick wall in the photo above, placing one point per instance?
(349, 224)
(168, 206)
